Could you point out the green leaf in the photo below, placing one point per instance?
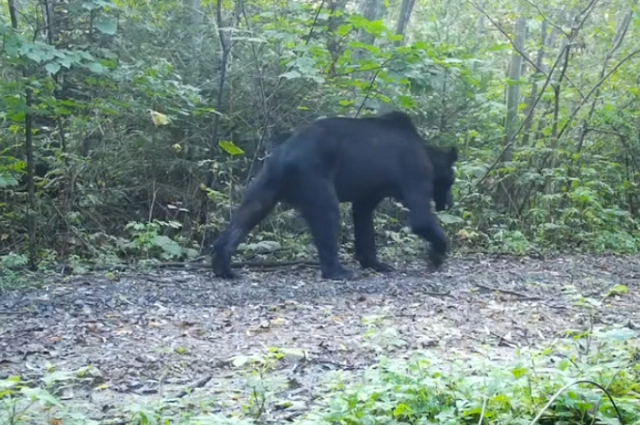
(41, 395)
(34, 56)
(52, 68)
(106, 25)
(66, 62)
(239, 361)
(406, 102)
(519, 372)
(402, 409)
(564, 364)
(617, 290)
(89, 5)
(230, 148)
(261, 247)
(7, 180)
(617, 334)
(343, 30)
(98, 4)
(291, 75)
(168, 245)
(58, 376)
(96, 67)
(9, 382)
(449, 219)
(584, 406)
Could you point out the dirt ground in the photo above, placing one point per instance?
(152, 336)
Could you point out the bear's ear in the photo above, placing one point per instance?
(453, 154)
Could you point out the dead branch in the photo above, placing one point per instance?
(198, 384)
(508, 291)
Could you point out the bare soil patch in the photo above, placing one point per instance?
(156, 335)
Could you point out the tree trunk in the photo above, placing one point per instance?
(372, 11)
(225, 51)
(526, 131)
(513, 100)
(28, 146)
(333, 43)
(196, 16)
(403, 19)
(513, 91)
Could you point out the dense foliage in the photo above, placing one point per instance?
(139, 123)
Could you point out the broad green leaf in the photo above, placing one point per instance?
(7, 180)
(406, 102)
(106, 25)
(168, 245)
(291, 75)
(519, 372)
(58, 376)
(35, 56)
(402, 409)
(447, 218)
(96, 67)
(239, 361)
(98, 4)
(52, 68)
(230, 148)
(617, 333)
(41, 395)
(564, 364)
(343, 30)
(618, 290)
(66, 62)
(9, 382)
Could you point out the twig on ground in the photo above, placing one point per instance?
(198, 384)
(433, 294)
(558, 306)
(438, 294)
(535, 254)
(197, 265)
(508, 291)
(503, 340)
(275, 264)
(340, 366)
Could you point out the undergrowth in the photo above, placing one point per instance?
(424, 389)
(138, 152)
(284, 237)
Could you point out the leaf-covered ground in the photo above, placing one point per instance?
(156, 335)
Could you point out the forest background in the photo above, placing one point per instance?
(129, 129)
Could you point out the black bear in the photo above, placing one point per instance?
(357, 160)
